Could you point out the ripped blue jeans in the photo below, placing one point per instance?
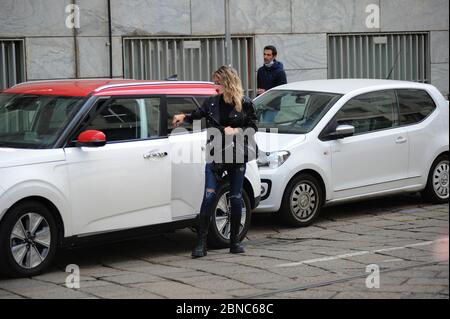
(236, 174)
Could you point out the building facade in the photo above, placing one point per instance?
(153, 39)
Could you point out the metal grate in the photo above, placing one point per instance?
(192, 59)
(402, 56)
(12, 63)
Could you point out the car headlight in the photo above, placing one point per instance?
(273, 159)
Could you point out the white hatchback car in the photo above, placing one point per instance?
(345, 140)
(83, 161)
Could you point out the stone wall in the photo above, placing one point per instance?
(297, 27)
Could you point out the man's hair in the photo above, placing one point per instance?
(271, 48)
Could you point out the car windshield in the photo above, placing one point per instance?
(293, 112)
(34, 121)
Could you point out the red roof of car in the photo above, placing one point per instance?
(107, 87)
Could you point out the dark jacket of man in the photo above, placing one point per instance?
(270, 77)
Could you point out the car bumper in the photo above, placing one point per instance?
(272, 190)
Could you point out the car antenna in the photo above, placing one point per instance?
(395, 64)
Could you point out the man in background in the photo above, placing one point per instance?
(270, 75)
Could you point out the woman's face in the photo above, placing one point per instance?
(218, 84)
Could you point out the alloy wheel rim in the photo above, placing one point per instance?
(304, 201)
(440, 180)
(30, 240)
(223, 215)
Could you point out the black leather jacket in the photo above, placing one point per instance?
(244, 120)
(210, 111)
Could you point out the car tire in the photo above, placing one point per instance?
(219, 230)
(306, 189)
(437, 189)
(28, 240)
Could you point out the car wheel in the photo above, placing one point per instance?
(437, 190)
(219, 231)
(302, 201)
(28, 239)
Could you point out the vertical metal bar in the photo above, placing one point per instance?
(191, 55)
(341, 44)
(13, 79)
(411, 57)
(361, 53)
(334, 57)
(215, 53)
(158, 60)
(416, 67)
(380, 59)
(132, 59)
(151, 69)
(368, 56)
(405, 56)
(3, 61)
(200, 62)
(208, 62)
(349, 63)
(175, 57)
(239, 57)
(141, 61)
(228, 44)
(355, 58)
(167, 57)
(246, 71)
(423, 57)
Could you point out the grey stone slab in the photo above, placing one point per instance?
(50, 58)
(120, 292)
(93, 18)
(264, 16)
(151, 17)
(296, 51)
(93, 57)
(308, 294)
(19, 18)
(258, 278)
(132, 278)
(424, 296)
(428, 281)
(422, 15)
(439, 77)
(367, 295)
(170, 289)
(439, 48)
(208, 17)
(306, 75)
(330, 16)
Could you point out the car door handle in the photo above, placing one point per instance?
(155, 155)
(401, 140)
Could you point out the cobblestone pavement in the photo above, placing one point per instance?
(399, 235)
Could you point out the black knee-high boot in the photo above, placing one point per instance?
(200, 249)
(235, 245)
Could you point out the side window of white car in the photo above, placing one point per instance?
(369, 112)
(414, 106)
(178, 105)
(126, 119)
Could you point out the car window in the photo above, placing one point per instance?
(414, 106)
(35, 121)
(369, 112)
(178, 105)
(128, 119)
(296, 112)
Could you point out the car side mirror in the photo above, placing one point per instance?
(91, 138)
(342, 131)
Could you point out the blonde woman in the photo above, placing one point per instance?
(232, 114)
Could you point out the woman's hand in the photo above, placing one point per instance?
(231, 131)
(178, 119)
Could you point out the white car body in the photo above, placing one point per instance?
(362, 166)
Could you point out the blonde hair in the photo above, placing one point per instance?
(233, 93)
